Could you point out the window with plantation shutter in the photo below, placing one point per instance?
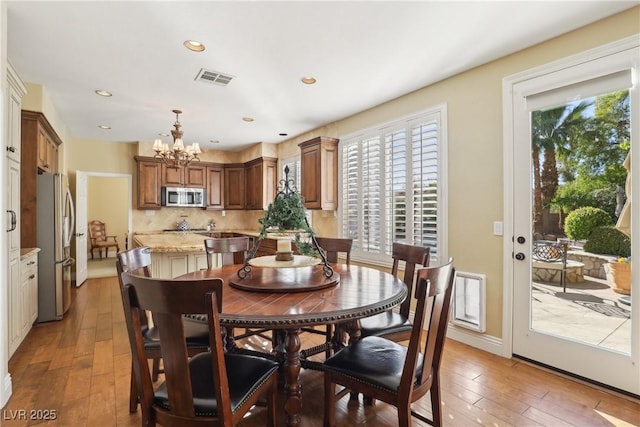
(294, 171)
(391, 182)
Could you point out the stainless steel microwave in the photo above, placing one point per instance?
(182, 197)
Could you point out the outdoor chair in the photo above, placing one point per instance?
(388, 371)
(553, 253)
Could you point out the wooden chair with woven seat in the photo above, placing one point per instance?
(138, 261)
(332, 247)
(209, 389)
(100, 240)
(396, 325)
(388, 371)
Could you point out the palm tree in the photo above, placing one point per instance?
(550, 133)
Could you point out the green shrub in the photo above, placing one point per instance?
(608, 241)
(579, 224)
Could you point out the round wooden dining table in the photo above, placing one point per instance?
(360, 292)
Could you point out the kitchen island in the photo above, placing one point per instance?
(174, 253)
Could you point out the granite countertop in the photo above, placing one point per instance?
(27, 252)
(171, 241)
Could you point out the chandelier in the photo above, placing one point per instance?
(178, 154)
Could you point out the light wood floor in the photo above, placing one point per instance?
(79, 368)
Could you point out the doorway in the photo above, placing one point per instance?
(565, 311)
(105, 197)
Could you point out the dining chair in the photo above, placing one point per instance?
(138, 261)
(388, 371)
(99, 239)
(332, 248)
(233, 250)
(213, 388)
(391, 324)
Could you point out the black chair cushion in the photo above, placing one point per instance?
(196, 333)
(384, 323)
(375, 360)
(245, 374)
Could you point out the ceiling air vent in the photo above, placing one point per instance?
(213, 77)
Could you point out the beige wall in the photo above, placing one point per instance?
(475, 185)
(474, 109)
(107, 202)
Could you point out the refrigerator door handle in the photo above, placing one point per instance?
(73, 216)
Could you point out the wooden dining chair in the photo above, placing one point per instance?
(232, 249)
(396, 325)
(138, 261)
(333, 247)
(209, 389)
(388, 371)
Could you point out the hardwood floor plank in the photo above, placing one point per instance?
(80, 367)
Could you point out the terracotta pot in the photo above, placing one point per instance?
(620, 274)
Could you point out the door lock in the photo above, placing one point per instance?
(519, 256)
(521, 239)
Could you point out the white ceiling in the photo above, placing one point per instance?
(362, 54)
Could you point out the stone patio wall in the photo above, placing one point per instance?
(594, 265)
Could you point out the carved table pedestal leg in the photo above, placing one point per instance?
(293, 403)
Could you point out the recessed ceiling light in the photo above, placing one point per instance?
(104, 93)
(247, 119)
(105, 127)
(308, 80)
(214, 141)
(194, 45)
(283, 134)
(163, 134)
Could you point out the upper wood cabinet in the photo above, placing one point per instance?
(234, 186)
(319, 173)
(149, 182)
(193, 175)
(261, 182)
(215, 187)
(39, 152)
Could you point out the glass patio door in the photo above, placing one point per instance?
(573, 129)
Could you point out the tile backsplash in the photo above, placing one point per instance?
(167, 218)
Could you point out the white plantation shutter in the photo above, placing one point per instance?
(390, 186)
(294, 171)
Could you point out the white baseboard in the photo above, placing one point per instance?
(7, 390)
(484, 342)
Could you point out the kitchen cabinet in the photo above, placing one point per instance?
(261, 182)
(193, 175)
(23, 299)
(168, 265)
(234, 186)
(11, 263)
(149, 182)
(39, 151)
(215, 187)
(319, 173)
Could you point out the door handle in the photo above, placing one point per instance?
(14, 221)
(79, 234)
(519, 256)
(12, 149)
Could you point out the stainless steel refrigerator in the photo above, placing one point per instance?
(55, 226)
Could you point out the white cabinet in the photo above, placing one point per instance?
(23, 297)
(168, 265)
(16, 310)
(15, 307)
